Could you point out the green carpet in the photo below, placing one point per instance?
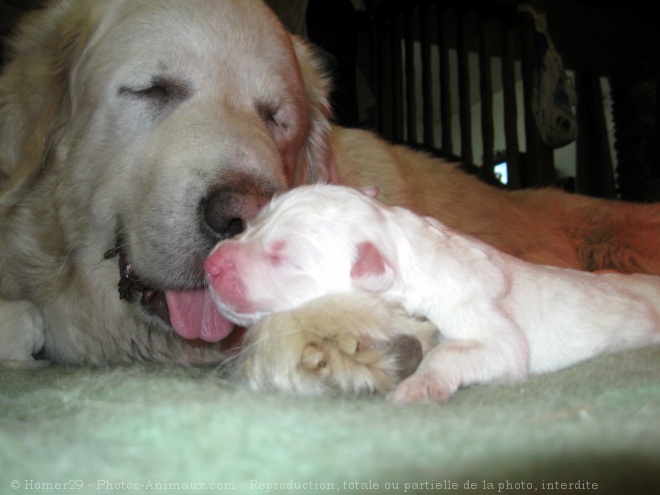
(154, 429)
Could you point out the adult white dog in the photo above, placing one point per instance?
(136, 134)
(500, 317)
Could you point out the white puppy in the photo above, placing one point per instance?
(501, 318)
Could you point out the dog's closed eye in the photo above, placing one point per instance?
(161, 91)
(157, 92)
(271, 115)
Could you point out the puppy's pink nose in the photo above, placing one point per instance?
(219, 261)
(223, 276)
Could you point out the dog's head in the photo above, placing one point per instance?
(160, 50)
(310, 242)
(161, 126)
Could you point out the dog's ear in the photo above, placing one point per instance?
(371, 270)
(34, 95)
(317, 164)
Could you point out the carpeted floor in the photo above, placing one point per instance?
(141, 430)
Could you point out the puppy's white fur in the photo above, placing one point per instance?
(501, 317)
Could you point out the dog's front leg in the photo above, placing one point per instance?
(21, 331)
(353, 342)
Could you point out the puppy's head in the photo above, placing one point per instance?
(307, 243)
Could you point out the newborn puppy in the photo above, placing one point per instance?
(501, 318)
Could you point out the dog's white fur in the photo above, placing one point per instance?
(118, 118)
(500, 317)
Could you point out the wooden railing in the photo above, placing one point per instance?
(421, 71)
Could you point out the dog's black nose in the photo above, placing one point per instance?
(226, 211)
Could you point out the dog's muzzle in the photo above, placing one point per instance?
(132, 290)
(191, 313)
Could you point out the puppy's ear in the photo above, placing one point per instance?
(317, 164)
(371, 270)
(34, 95)
(371, 191)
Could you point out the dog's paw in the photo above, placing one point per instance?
(21, 331)
(355, 363)
(355, 343)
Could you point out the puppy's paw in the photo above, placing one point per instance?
(354, 343)
(423, 387)
(461, 363)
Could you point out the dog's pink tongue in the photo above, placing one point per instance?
(194, 316)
